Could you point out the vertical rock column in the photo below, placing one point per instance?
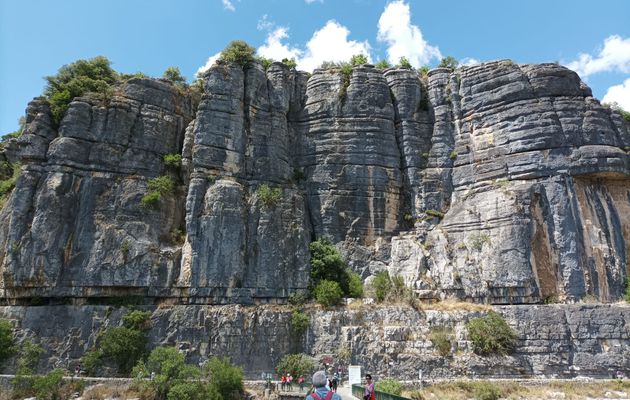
(243, 245)
(351, 159)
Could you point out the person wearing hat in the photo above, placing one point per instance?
(320, 391)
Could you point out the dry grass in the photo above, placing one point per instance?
(110, 391)
(452, 305)
(463, 390)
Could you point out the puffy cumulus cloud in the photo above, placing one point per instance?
(613, 56)
(403, 38)
(228, 5)
(275, 49)
(469, 61)
(619, 94)
(331, 43)
(208, 63)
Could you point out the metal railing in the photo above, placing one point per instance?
(358, 390)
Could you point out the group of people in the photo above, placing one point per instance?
(322, 391)
(286, 382)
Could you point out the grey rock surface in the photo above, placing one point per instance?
(497, 183)
(554, 341)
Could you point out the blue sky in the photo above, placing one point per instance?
(39, 36)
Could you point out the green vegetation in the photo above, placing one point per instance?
(382, 285)
(94, 75)
(225, 378)
(170, 370)
(355, 285)
(490, 334)
(358, 59)
(174, 75)
(328, 264)
(404, 63)
(448, 62)
(269, 196)
(453, 155)
(15, 134)
(125, 247)
(390, 288)
(328, 293)
(346, 73)
(297, 298)
(298, 175)
(290, 62)
(122, 345)
(159, 186)
(442, 340)
(266, 62)
(26, 383)
(424, 71)
(382, 64)
(151, 200)
(616, 107)
(299, 322)
(162, 184)
(389, 385)
(7, 348)
(295, 364)
(7, 185)
(477, 240)
(125, 77)
(238, 52)
(626, 294)
(434, 213)
(173, 161)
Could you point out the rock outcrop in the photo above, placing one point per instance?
(554, 341)
(497, 183)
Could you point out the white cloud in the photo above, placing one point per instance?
(275, 49)
(619, 94)
(265, 24)
(613, 56)
(403, 38)
(469, 61)
(331, 43)
(208, 64)
(228, 5)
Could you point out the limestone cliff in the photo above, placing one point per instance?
(498, 183)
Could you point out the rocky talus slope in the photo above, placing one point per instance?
(497, 183)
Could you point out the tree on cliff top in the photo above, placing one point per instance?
(76, 79)
(239, 52)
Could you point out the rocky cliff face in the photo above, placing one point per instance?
(555, 341)
(498, 183)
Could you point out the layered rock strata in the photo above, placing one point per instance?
(498, 183)
(555, 341)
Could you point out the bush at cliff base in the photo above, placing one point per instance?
(490, 334)
(389, 386)
(296, 365)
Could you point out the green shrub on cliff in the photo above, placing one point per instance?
(448, 62)
(122, 345)
(239, 52)
(490, 334)
(295, 364)
(299, 322)
(626, 294)
(382, 64)
(328, 293)
(269, 196)
(358, 59)
(327, 263)
(76, 79)
(381, 285)
(174, 75)
(7, 347)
